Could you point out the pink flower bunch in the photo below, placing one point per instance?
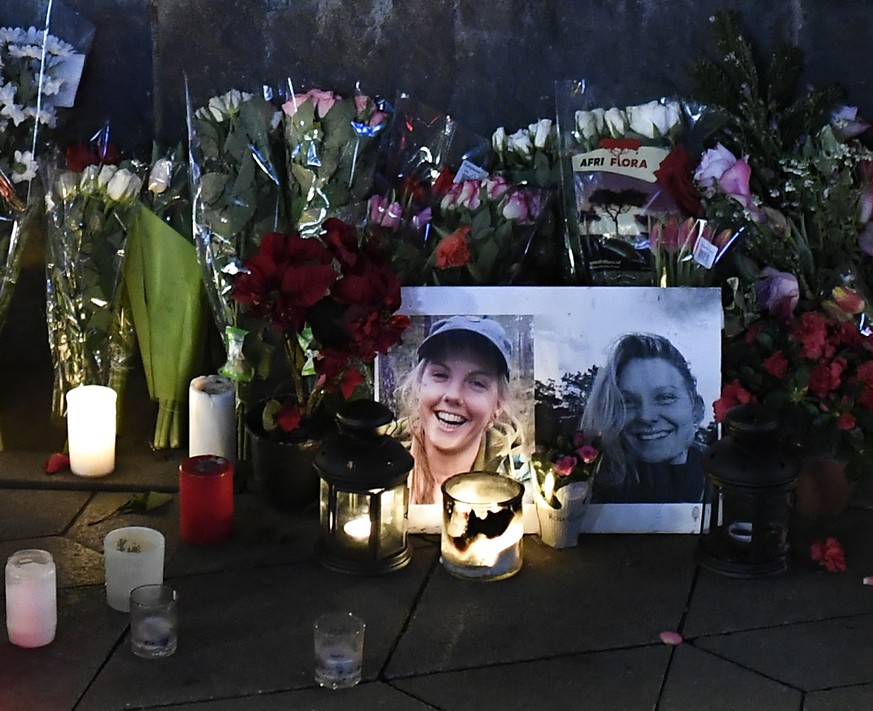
(721, 171)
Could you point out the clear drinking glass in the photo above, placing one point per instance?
(153, 621)
(339, 650)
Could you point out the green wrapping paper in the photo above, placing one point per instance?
(169, 311)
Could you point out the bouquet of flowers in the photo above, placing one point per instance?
(330, 300)
(816, 372)
(236, 191)
(616, 165)
(331, 146)
(486, 227)
(91, 335)
(565, 461)
(788, 170)
(38, 74)
(166, 294)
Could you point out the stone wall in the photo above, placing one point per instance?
(488, 63)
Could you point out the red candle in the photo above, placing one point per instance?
(205, 499)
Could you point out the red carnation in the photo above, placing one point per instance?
(453, 251)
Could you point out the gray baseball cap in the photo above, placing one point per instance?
(482, 326)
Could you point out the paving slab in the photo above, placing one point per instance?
(852, 698)
(52, 678)
(30, 514)
(805, 592)
(76, 565)
(610, 591)
(619, 680)
(699, 680)
(808, 656)
(250, 632)
(374, 696)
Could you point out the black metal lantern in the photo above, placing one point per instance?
(364, 503)
(750, 490)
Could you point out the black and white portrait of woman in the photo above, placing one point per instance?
(646, 408)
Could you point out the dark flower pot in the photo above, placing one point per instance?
(284, 470)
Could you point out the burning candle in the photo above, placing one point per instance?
(358, 528)
(483, 526)
(205, 499)
(91, 430)
(31, 598)
(212, 417)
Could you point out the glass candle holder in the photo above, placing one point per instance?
(483, 526)
(91, 423)
(134, 556)
(31, 598)
(205, 499)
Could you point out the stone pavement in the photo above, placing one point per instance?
(576, 628)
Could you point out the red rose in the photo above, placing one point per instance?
(289, 418)
(826, 377)
(674, 176)
(453, 251)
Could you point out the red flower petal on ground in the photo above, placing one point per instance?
(57, 462)
(829, 554)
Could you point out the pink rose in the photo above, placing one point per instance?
(361, 103)
(713, 164)
(323, 101)
(735, 182)
(588, 453)
(565, 465)
(495, 186)
(385, 213)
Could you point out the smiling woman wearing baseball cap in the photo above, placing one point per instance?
(458, 408)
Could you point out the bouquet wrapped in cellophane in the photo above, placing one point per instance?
(166, 294)
(237, 175)
(39, 74)
(331, 146)
(91, 334)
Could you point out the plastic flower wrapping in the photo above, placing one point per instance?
(39, 75)
(331, 147)
(441, 214)
(91, 334)
(165, 292)
(623, 173)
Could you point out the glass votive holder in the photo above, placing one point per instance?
(31, 598)
(133, 556)
(483, 526)
(339, 649)
(205, 499)
(154, 621)
(91, 425)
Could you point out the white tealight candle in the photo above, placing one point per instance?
(358, 528)
(31, 598)
(212, 417)
(91, 421)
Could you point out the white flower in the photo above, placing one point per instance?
(124, 186)
(7, 94)
(107, 172)
(654, 119)
(88, 181)
(586, 125)
(225, 106)
(519, 142)
(615, 121)
(543, 132)
(160, 176)
(23, 167)
(67, 185)
(498, 140)
(14, 112)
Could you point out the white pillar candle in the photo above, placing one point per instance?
(91, 430)
(133, 556)
(212, 417)
(31, 598)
